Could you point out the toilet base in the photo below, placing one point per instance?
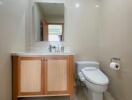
(95, 95)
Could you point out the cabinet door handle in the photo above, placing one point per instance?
(44, 59)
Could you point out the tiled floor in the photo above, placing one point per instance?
(79, 95)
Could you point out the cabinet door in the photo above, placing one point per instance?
(30, 76)
(57, 75)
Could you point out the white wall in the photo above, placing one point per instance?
(50, 1)
(55, 20)
(81, 29)
(115, 41)
(38, 17)
(12, 38)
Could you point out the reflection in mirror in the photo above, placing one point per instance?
(48, 21)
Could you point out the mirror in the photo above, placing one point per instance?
(48, 21)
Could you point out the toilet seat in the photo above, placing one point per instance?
(95, 76)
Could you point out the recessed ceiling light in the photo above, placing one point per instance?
(97, 6)
(77, 5)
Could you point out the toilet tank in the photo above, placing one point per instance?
(82, 64)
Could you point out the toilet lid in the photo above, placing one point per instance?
(95, 75)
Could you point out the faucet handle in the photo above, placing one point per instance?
(62, 48)
(50, 48)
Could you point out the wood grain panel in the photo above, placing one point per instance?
(56, 75)
(45, 31)
(30, 75)
(36, 76)
(14, 77)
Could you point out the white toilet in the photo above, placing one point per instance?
(94, 79)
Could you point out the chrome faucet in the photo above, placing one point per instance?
(53, 48)
(50, 48)
(62, 48)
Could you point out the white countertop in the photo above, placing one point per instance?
(40, 53)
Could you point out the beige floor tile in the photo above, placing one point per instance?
(79, 95)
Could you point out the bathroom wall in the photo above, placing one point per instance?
(37, 16)
(12, 38)
(81, 29)
(81, 32)
(115, 41)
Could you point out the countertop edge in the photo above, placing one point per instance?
(40, 54)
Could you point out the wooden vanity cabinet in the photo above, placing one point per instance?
(59, 78)
(27, 76)
(42, 76)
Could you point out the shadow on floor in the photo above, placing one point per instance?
(79, 95)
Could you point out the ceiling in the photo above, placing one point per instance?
(52, 9)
